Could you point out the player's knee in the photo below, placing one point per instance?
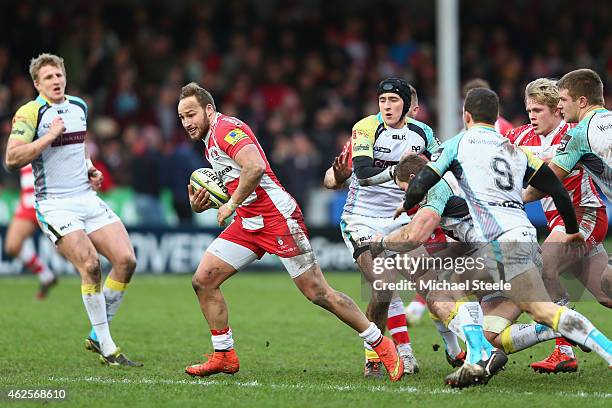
(204, 279)
(91, 268)
(539, 313)
(127, 263)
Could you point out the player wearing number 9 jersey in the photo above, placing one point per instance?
(492, 184)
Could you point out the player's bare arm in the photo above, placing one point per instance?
(409, 237)
(252, 170)
(19, 153)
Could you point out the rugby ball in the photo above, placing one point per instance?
(208, 179)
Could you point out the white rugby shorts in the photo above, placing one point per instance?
(358, 230)
(59, 217)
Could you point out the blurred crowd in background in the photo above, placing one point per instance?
(301, 73)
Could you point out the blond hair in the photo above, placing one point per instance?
(544, 91)
(45, 59)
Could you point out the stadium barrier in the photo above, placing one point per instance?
(178, 250)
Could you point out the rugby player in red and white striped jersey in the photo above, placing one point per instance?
(268, 220)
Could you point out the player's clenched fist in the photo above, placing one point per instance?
(199, 200)
(57, 126)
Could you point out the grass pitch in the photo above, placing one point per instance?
(291, 352)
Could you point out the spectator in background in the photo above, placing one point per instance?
(147, 170)
(179, 162)
(286, 64)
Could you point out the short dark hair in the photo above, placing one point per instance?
(202, 95)
(583, 82)
(483, 105)
(409, 164)
(474, 83)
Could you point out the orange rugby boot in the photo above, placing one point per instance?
(218, 362)
(391, 360)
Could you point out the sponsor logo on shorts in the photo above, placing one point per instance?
(64, 227)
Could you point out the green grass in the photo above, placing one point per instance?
(291, 352)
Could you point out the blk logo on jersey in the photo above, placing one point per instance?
(398, 137)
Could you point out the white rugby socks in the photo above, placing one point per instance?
(578, 328)
(517, 337)
(450, 339)
(96, 310)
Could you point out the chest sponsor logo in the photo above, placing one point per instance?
(234, 136)
(384, 163)
(603, 128)
(382, 149)
(63, 111)
(69, 138)
(223, 172)
(398, 137)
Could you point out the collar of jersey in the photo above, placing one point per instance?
(212, 124)
(484, 126)
(594, 110)
(45, 101)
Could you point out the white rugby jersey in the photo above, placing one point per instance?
(490, 171)
(60, 170)
(590, 144)
(372, 138)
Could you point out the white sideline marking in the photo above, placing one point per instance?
(341, 388)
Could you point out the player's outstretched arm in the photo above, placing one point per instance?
(410, 236)
(20, 153)
(367, 174)
(547, 182)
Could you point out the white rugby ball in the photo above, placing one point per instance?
(208, 179)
